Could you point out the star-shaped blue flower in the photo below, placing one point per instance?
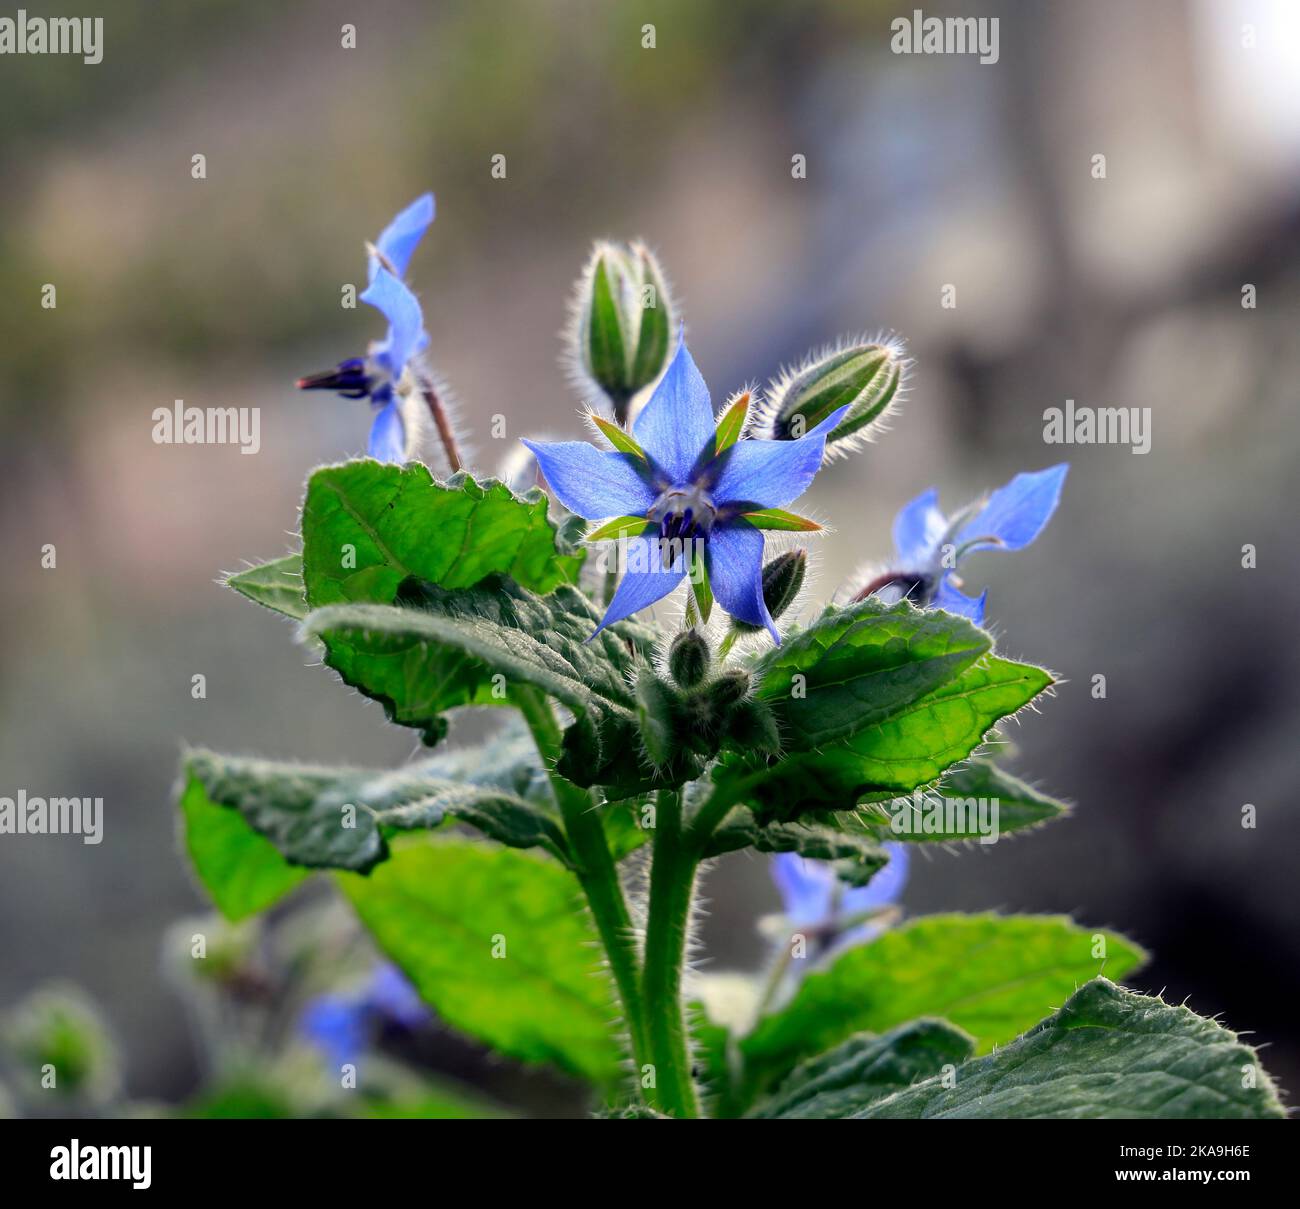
(687, 493)
(376, 375)
(1009, 519)
(815, 899)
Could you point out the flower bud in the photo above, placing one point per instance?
(865, 377)
(60, 1027)
(751, 727)
(688, 658)
(782, 579)
(726, 691)
(658, 710)
(623, 334)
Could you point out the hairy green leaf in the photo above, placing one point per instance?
(857, 855)
(1016, 805)
(276, 585)
(254, 828)
(873, 701)
(858, 667)
(495, 942)
(241, 870)
(1108, 1053)
(991, 975)
(865, 1069)
(368, 525)
(442, 649)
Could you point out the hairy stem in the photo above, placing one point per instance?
(441, 422)
(596, 870)
(672, 882)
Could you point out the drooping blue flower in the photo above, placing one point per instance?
(1009, 519)
(343, 1025)
(816, 901)
(376, 375)
(694, 497)
(397, 242)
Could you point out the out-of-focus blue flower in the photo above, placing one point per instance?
(343, 1026)
(396, 243)
(690, 491)
(376, 375)
(817, 901)
(1009, 519)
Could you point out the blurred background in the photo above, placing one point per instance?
(922, 171)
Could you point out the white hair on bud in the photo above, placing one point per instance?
(779, 387)
(571, 355)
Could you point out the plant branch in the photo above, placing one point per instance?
(596, 870)
(442, 422)
(672, 883)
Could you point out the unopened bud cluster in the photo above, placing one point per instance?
(686, 716)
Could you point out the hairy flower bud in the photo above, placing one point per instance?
(688, 658)
(658, 710)
(866, 377)
(752, 728)
(782, 579)
(623, 331)
(724, 692)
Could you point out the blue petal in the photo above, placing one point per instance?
(771, 474)
(918, 529)
(594, 483)
(392, 996)
(806, 888)
(952, 601)
(388, 434)
(398, 239)
(645, 580)
(676, 425)
(884, 888)
(1018, 512)
(405, 321)
(734, 553)
(339, 1026)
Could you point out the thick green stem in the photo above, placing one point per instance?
(596, 870)
(672, 882)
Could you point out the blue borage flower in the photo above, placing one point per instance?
(343, 1025)
(694, 497)
(930, 546)
(376, 375)
(816, 901)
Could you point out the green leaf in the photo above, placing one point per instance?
(276, 585)
(858, 667)
(369, 525)
(1108, 1053)
(241, 870)
(857, 855)
(873, 701)
(341, 818)
(494, 941)
(1019, 807)
(991, 975)
(469, 647)
(865, 1069)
